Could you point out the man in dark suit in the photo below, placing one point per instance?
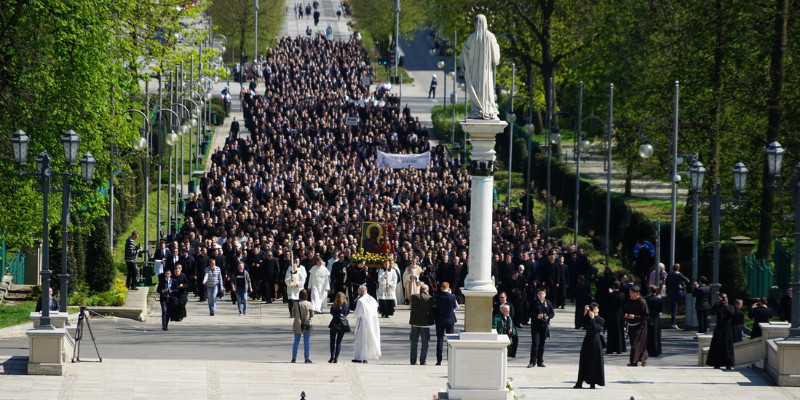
(167, 289)
(189, 265)
(270, 270)
(421, 319)
(702, 294)
(504, 325)
(560, 281)
(759, 313)
(235, 128)
(445, 317)
(541, 311)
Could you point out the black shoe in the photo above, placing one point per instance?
(531, 365)
(364, 361)
(335, 360)
(308, 361)
(163, 328)
(438, 363)
(422, 363)
(357, 361)
(330, 361)
(413, 363)
(212, 313)
(633, 364)
(540, 365)
(591, 386)
(293, 361)
(578, 386)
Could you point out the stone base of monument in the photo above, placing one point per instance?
(46, 355)
(476, 366)
(783, 361)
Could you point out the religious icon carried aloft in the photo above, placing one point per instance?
(377, 244)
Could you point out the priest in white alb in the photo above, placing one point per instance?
(319, 284)
(368, 331)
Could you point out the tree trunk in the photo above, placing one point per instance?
(777, 70)
(716, 112)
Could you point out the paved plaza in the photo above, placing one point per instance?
(228, 356)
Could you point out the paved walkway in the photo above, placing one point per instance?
(228, 356)
(234, 357)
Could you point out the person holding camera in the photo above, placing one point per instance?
(702, 294)
(131, 251)
(591, 367)
(721, 350)
(759, 312)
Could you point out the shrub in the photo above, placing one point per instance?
(100, 270)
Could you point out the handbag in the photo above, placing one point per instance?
(341, 324)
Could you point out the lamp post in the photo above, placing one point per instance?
(171, 140)
(775, 154)
(186, 125)
(141, 144)
(582, 146)
(609, 127)
(510, 118)
(548, 129)
(442, 66)
(696, 174)
(255, 24)
(71, 142)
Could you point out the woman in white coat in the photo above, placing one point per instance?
(295, 281)
(387, 284)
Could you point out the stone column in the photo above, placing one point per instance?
(477, 358)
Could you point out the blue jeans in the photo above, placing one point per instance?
(678, 298)
(336, 343)
(425, 334)
(306, 349)
(241, 296)
(211, 291)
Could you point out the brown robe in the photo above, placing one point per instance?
(637, 329)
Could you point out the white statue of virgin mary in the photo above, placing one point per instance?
(479, 56)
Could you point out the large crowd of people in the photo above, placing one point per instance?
(279, 216)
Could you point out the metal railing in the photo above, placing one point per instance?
(759, 276)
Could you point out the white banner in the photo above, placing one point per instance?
(400, 161)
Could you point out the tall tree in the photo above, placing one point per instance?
(775, 111)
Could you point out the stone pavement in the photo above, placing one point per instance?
(233, 357)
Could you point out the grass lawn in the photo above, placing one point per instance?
(11, 315)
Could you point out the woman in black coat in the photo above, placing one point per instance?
(721, 350)
(591, 368)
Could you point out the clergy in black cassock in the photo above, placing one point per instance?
(721, 350)
(591, 367)
(583, 296)
(655, 306)
(615, 303)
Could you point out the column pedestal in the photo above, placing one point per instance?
(477, 360)
(783, 361)
(46, 351)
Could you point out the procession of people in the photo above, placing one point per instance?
(278, 218)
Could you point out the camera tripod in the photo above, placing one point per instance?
(83, 319)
